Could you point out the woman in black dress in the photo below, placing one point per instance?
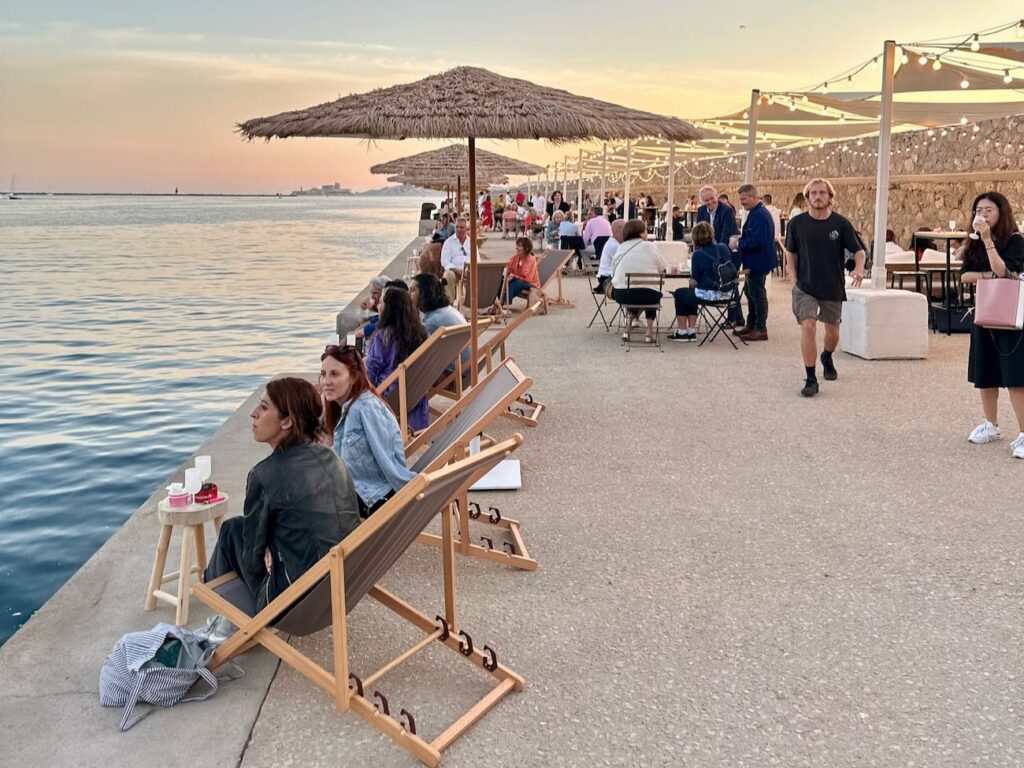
(996, 357)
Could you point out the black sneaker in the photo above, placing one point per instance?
(831, 374)
(810, 388)
(678, 335)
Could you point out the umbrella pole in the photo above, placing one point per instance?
(458, 196)
(472, 264)
(882, 183)
(755, 103)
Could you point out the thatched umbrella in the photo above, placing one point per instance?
(454, 159)
(473, 103)
(438, 181)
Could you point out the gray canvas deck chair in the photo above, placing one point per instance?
(550, 269)
(416, 376)
(324, 595)
(525, 410)
(448, 438)
(490, 275)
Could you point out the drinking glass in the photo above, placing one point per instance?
(205, 466)
(952, 225)
(193, 482)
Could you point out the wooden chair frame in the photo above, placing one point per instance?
(257, 630)
(463, 511)
(562, 260)
(526, 410)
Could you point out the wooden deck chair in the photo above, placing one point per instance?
(324, 595)
(449, 437)
(415, 376)
(550, 269)
(525, 410)
(490, 275)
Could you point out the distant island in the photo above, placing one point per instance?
(336, 190)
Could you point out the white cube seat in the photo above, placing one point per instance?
(884, 325)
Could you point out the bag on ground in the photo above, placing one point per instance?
(157, 667)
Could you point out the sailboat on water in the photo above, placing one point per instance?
(12, 195)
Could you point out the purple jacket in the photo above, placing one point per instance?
(381, 362)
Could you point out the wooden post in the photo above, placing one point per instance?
(755, 104)
(579, 189)
(340, 630)
(604, 173)
(671, 191)
(473, 340)
(629, 172)
(882, 182)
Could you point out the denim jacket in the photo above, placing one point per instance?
(369, 441)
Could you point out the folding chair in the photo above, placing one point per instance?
(654, 281)
(450, 436)
(324, 595)
(573, 243)
(715, 314)
(549, 269)
(415, 376)
(525, 410)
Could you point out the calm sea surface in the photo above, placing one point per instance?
(131, 327)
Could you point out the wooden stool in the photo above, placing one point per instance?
(193, 548)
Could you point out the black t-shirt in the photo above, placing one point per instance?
(820, 247)
(976, 258)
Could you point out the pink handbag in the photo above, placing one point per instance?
(1000, 304)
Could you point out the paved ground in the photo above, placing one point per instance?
(729, 575)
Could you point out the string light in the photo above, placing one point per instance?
(923, 60)
(904, 59)
(1007, 77)
(874, 63)
(936, 65)
(975, 45)
(965, 83)
(825, 89)
(1020, 28)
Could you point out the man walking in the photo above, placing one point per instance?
(757, 247)
(815, 255)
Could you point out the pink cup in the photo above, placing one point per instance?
(674, 269)
(177, 500)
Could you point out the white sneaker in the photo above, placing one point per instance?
(986, 432)
(1017, 447)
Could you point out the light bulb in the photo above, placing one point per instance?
(804, 98)
(849, 79)
(1020, 28)
(904, 59)
(874, 63)
(965, 83)
(975, 45)
(774, 145)
(1007, 77)
(792, 107)
(936, 65)
(824, 89)
(963, 120)
(923, 60)
(842, 118)
(745, 115)
(931, 132)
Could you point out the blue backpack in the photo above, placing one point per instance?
(726, 274)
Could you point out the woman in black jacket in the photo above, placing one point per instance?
(299, 501)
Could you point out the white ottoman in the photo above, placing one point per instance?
(884, 325)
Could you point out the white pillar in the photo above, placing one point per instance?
(755, 105)
(629, 172)
(604, 172)
(579, 189)
(671, 190)
(882, 182)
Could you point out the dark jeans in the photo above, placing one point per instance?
(686, 302)
(757, 302)
(515, 287)
(629, 296)
(227, 557)
(365, 511)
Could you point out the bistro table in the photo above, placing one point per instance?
(948, 238)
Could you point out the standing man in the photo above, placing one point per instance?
(722, 218)
(454, 255)
(757, 247)
(540, 203)
(815, 254)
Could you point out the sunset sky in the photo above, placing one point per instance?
(122, 96)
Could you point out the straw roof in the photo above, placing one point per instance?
(469, 101)
(439, 181)
(454, 159)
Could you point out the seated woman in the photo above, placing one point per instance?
(364, 430)
(704, 281)
(636, 255)
(399, 333)
(299, 501)
(554, 224)
(428, 296)
(510, 220)
(522, 271)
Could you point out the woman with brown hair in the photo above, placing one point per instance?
(399, 333)
(523, 275)
(996, 358)
(299, 501)
(363, 430)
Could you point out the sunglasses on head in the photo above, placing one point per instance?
(340, 349)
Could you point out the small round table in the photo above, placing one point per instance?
(193, 550)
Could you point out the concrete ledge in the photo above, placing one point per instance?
(884, 325)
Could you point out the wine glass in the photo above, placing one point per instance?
(952, 225)
(193, 483)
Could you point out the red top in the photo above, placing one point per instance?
(524, 269)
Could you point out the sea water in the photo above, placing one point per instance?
(131, 327)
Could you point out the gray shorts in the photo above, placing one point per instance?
(806, 307)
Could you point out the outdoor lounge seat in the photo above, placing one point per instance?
(324, 595)
(550, 269)
(525, 410)
(490, 275)
(449, 437)
(416, 375)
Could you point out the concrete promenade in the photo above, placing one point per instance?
(730, 575)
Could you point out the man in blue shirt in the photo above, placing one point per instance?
(720, 216)
(757, 247)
